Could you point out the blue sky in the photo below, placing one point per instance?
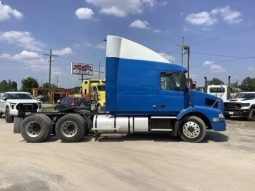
(221, 34)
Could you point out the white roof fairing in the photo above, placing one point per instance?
(119, 47)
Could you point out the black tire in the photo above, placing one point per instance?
(70, 128)
(192, 129)
(49, 121)
(251, 116)
(35, 128)
(83, 112)
(8, 117)
(227, 116)
(1, 114)
(89, 123)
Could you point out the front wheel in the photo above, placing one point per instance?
(192, 129)
(8, 117)
(251, 116)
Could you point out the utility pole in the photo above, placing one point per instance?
(99, 71)
(182, 50)
(188, 52)
(50, 62)
(185, 49)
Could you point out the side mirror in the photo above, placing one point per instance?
(4, 98)
(183, 82)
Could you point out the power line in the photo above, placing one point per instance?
(222, 28)
(238, 31)
(225, 61)
(221, 55)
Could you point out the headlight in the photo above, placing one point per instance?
(12, 105)
(245, 104)
(217, 119)
(221, 116)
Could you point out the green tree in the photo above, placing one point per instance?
(28, 84)
(47, 85)
(248, 84)
(14, 86)
(8, 86)
(215, 81)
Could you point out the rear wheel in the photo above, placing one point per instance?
(8, 117)
(49, 121)
(70, 128)
(35, 128)
(192, 129)
(251, 116)
(88, 122)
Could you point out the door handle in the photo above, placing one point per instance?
(159, 106)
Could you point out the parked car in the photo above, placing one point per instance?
(72, 103)
(241, 105)
(17, 103)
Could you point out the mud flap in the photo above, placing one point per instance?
(17, 124)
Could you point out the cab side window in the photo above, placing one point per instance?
(170, 81)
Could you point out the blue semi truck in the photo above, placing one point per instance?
(144, 93)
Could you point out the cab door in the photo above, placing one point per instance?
(171, 99)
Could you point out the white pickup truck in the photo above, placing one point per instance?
(241, 105)
(17, 103)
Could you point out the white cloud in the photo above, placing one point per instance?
(202, 18)
(228, 15)
(156, 30)
(163, 3)
(101, 46)
(121, 8)
(139, 24)
(210, 18)
(84, 13)
(26, 55)
(213, 67)
(167, 56)
(6, 12)
(21, 38)
(208, 63)
(251, 68)
(32, 60)
(63, 52)
(217, 68)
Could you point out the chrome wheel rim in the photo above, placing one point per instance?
(191, 129)
(69, 128)
(33, 129)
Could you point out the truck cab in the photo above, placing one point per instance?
(221, 91)
(94, 89)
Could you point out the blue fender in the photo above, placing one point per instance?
(213, 116)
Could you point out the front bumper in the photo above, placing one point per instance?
(219, 126)
(237, 113)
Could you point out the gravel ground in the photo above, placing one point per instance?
(224, 161)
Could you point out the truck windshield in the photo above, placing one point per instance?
(170, 81)
(245, 96)
(101, 88)
(217, 90)
(18, 96)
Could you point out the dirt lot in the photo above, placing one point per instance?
(224, 161)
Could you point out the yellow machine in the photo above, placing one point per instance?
(94, 90)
